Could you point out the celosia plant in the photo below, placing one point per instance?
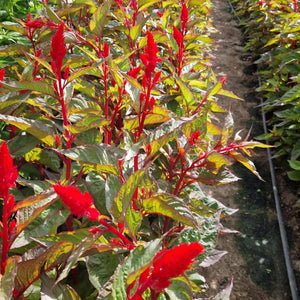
(108, 115)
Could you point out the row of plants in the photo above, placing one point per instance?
(273, 35)
(109, 131)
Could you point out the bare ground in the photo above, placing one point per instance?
(259, 275)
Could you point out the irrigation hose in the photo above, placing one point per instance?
(283, 235)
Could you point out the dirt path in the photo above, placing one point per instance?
(231, 61)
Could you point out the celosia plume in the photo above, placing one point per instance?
(177, 36)
(8, 172)
(58, 50)
(167, 264)
(184, 17)
(2, 71)
(80, 204)
(150, 59)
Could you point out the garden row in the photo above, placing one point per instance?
(109, 128)
(272, 29)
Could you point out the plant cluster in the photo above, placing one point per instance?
(273, 32)
(109, 132)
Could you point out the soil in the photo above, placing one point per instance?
(254, 260)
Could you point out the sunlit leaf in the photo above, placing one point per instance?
(98, 19)
(180, 289)
(138, 258)
(29, 270)
(7, 280)
(40, 130)
(36, 86)
(170, 206)
(245, 162)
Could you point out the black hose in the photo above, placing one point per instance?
(283, 235)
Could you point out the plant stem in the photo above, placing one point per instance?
(120, 235)
(5, 234)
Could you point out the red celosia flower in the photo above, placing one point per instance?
(80, 204)
(8, 172)
(177, 36)
(134, 72)
(34, 24)
(58, 50)
(150, 59)
(167, 264)
(223, 80)
(172, 263)
(2, 75)
(184, 17)
(194, 137)
(105, 52)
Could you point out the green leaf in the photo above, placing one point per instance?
(186, 91)
(98, 19)
(85, 71)
(101, 157)
(112, 187)
(227, 129)
(35, 211)
(73, 258)
(151, 119)
(7, 280)
(245, 162)
(21, 144)
(207, 236)
(11, 101)
(40, 130)
(180, 289)
(52, 15)
(75, 237)
(36, 86)
(225, 176)
(215, 161)
(101, 267)
(291, 94)
(44, 157)
(29, 270)
(228, 94)
(140, 257)
(143, 4)
(170, 206)
(123, 200)
(50, 290)
(15, 49)
(135, 31)
(224, 294)
(294, 175)
(216, 89)
(212, 257)
(166, 132)
(95, 184)
(204, 205)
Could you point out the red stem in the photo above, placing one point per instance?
(5, 234)
(120, 235)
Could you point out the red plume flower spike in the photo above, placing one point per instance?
(167, 264)
(178, 37)
(150, 59)
(8, 172)
(58, 50)
(2, 71)
(184, 17)
(80, 204)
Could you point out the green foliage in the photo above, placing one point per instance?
(113, 101)
(273, 31)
